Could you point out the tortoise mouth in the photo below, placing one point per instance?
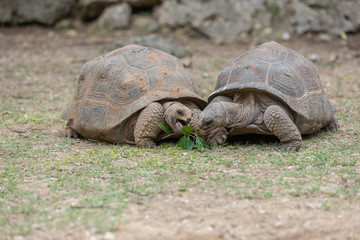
(179, 124)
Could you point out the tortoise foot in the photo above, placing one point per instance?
(145, 143)
(217, 137)
(291, 146)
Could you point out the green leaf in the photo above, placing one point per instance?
(163, 127)
(186, 143)
(343, 36)
(186, 130)
(200, 143)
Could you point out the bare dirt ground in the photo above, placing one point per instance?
(55, 58)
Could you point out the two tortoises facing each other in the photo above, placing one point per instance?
(122, 95)
(270, 90)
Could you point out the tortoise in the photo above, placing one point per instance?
(270, 90)
(122, 95)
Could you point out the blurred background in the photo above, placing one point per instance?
(221, 21)
(44, 43)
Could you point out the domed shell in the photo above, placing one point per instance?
(284, 74)
(111, 88)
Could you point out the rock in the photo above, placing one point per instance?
(88, 10)
(305, 18)
(186, 62)
(144, 24)
(331, 17)
(317, 3)
(286, 36)
(46, 12)
(109, 236)
(348, 13)
(6, 9)
(226, 21)
(19, 238)
(68, 23)
(142, 3)
(215, 19)
(333, 57)
(313, 57)
(64, 24)
(115, 17)
(325, 37)
(153, 41)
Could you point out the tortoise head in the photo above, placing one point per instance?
(177, 115)
(213, 116)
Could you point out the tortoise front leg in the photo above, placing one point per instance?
(146, 129)
(280, 124)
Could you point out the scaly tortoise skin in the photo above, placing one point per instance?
(270, 90)
(120, 96)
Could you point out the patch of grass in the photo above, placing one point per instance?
(35, 119)
(90, 187)
(328, 65)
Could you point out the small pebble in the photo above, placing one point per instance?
(109, 236)
(210, 228)
(325, 37)
(186, 62)
(286, 36)
(314, 57)
(333, 57)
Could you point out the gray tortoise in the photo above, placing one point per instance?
(270, 90)
(122, 95)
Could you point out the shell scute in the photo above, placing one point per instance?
(84, 113)
(98, 113)
(249, 72)
(286, 80)
(128, 85)
(142, 58)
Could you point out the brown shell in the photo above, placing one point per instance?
(111, 88)
(284, 74)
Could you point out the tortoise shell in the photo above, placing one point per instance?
(113, 87)
(283, 74)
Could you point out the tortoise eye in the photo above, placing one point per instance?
(181, 113)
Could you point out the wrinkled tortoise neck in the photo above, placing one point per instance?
(237, 114)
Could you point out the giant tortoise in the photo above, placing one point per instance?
(270, 90)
